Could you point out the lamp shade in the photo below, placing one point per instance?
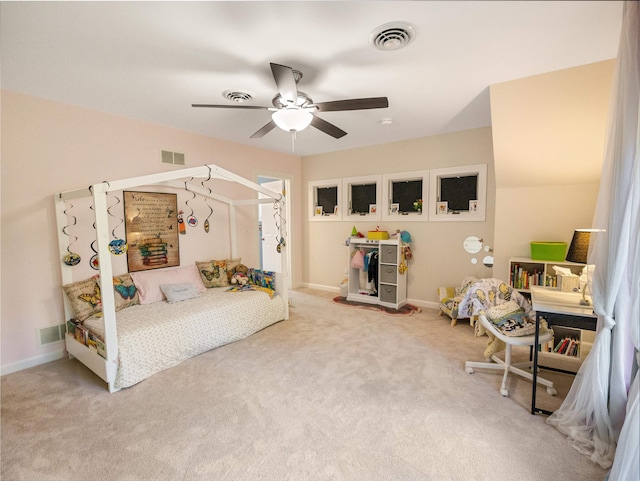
(292, 120)
(579, 247)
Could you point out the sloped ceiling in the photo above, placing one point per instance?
(152, 60)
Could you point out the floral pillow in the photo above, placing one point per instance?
(213, 273)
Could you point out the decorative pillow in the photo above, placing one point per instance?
(148, 282)
(261, 278)
(124, 291)
(179, 292)
(213, 273)
(510, 319)
(84, 297)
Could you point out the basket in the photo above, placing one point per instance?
(548, 251)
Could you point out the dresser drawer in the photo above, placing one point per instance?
(387, 293)
(388, 274)
(388, 254)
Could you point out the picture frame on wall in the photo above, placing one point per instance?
(151, 229)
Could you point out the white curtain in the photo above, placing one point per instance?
(600, 413)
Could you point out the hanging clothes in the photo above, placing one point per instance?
(373, 270)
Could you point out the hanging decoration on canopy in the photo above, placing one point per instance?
(206, 200)
(192, 221)
(70, 258)
(279, 221)
(181, 226)
(94, 262)
(117, 246)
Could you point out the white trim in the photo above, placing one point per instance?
(435, 174)
(313, 186)
(385, 210)
(346, 197)
(32, 362)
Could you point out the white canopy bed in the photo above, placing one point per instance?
(133, 337)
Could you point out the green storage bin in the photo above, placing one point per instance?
(548, 251)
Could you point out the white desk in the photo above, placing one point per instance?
(561, 309)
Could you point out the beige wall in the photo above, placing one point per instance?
(548, 139)
(438, 256)
(50, 147)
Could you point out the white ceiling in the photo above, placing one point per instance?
(152, 60)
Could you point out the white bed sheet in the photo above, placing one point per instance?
(155, 337)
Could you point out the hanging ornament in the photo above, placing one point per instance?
(94, 262)
(181, 227)
(279, 221)
(206, 201)
(116, 246)
(70, 258)
(191, 219)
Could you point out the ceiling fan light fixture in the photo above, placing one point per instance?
(292, 120)
(392, 36)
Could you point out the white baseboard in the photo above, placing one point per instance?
(415, 302)
(33, 361)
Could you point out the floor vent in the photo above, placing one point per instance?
(49, 335)
(173, 158)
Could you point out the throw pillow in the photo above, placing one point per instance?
(84, 298)
(213, 273)
(179, 292)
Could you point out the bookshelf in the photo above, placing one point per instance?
(525, 272)
(567, 349)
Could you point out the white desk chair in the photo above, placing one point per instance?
(506, 365)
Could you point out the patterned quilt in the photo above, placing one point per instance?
(155, 337)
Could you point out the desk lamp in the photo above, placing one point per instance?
(578, 251)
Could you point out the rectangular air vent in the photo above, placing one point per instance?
(49, 335)
(173, 158)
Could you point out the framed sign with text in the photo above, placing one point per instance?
(151, 225)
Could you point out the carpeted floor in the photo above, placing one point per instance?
(334, 393)
(405, 310)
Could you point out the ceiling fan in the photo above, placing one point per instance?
(294, 111)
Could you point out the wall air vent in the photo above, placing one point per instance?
(392, 36)
(49, 335)
(173, 158)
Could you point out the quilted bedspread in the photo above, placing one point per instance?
(155, 337)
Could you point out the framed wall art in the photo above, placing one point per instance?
(151, 226)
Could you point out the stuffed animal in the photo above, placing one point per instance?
(240, 276)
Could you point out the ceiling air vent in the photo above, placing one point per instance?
(174, 158)
(392, 36)
(237, 96)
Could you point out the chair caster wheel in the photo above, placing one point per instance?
(504, 392)
(551, 391)
(469, 370)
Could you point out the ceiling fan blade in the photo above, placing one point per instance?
(255, 107)
(286, 82)
(353, 104)
(264, 130)
(327, 128)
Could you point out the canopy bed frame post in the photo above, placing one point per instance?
(106, 276)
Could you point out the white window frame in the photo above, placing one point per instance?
(387, 195)
(434, 190)
(346, 196)
(313, 198)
